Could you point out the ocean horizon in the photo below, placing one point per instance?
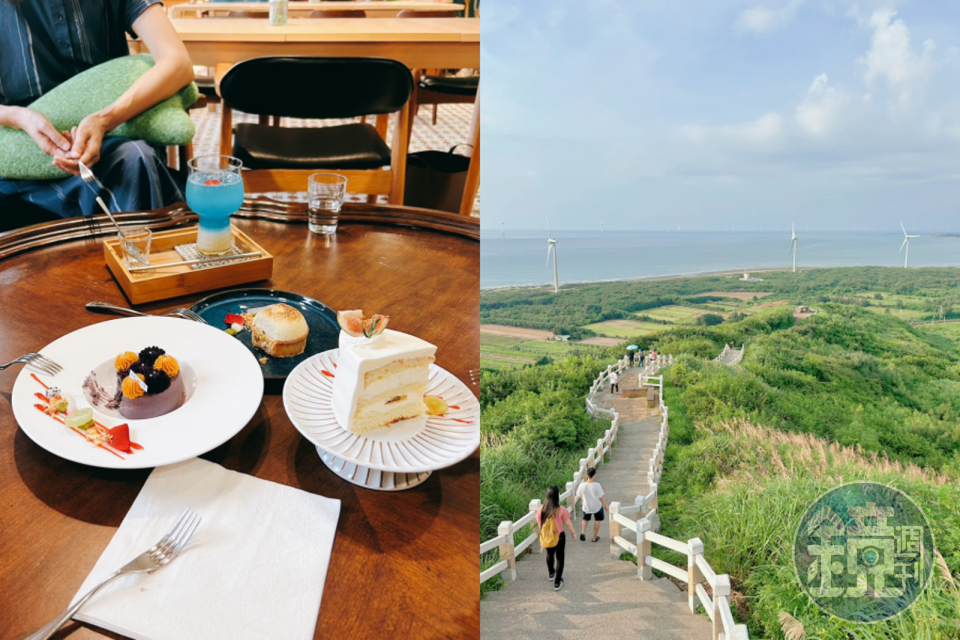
(519, 259)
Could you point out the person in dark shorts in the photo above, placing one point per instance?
(614, 382)
(591, 493)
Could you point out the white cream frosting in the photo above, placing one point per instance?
(281, 322)
(360, 355)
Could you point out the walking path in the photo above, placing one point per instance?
(601, 596)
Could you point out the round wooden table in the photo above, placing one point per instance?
(404, 564)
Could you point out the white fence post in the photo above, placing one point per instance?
(535, 506)
(694, 575)
(722, 589)
(653, 504)
(571, 499)
(600, 451)
(614, 529)
(644, 549)
(507, 550)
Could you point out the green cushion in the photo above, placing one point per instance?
(167, 123)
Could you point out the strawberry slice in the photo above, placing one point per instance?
(120, 438)
(233, 318)
(212, 183)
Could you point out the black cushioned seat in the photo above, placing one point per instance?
(349, 146)
(454, 86)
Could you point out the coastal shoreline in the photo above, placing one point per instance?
(692, 274)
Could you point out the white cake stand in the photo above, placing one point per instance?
(388, 459)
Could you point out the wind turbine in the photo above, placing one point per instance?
(906, 243)
(793, 246)
(601, 228)
(503, 234)
(552, 246)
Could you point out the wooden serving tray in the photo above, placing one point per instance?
(180, 279)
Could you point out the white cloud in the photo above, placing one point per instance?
(822, 108)
(767, 19)
(892, 60)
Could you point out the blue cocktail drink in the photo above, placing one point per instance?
(214, 191)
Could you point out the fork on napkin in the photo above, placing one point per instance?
(255, 570)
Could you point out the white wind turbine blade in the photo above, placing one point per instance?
(548, 227)
(906, 239)
(904, 230)
(549, 248)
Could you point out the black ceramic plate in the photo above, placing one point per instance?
(322, 320)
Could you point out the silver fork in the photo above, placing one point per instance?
(87, 176)
(157, 556)
(187, 314)
(37, 360)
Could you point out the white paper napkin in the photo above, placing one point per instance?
(254, 569)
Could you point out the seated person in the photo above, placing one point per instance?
(45, 42)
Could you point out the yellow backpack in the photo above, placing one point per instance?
(549, 536)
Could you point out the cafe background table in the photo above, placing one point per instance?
(424, 43)
(373, 8)
(404, 564)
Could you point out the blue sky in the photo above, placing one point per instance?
(709, 114)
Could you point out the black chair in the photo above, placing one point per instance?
(281, 158)
(433, 88)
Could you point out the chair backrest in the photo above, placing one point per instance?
(409, 13)
(260, 15)
(338, 13)
(307, 87)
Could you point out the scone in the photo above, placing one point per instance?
(280, 330)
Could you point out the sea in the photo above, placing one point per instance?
(520, 258)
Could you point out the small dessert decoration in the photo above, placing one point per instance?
(280, 330)
(149, 384)
(381, 375)
(62, 408)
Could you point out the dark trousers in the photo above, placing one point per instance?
(557, 552)
(132, 172)
(615, 386)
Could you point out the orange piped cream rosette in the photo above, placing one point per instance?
(131, 389)
(125, 360)
(167, 364)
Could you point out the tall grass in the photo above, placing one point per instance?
(743, 488)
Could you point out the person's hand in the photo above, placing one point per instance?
(39, 127)
(87, 140)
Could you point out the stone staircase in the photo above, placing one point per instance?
(601, 596)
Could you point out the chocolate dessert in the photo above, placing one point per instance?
(149, 384)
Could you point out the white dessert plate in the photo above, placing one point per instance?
(412, 447)
(223, 380)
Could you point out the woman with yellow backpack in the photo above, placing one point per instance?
(551, 518)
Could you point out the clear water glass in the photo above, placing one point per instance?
(325, 193)
(136, 247)
(215, 192)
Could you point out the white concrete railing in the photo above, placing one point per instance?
(646, 530)
(507, 566)
(736, 358)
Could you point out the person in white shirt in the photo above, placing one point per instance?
(614, 382)
(591, 493)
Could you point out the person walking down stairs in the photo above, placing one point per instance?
(614, 382)
(591, 493)
(552, 517)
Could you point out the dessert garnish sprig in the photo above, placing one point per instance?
(355, 324)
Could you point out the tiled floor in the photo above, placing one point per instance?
(452, 128)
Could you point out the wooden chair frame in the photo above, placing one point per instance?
(373, 182)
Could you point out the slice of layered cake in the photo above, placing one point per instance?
(381, 375)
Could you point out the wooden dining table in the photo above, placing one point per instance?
(422, 43)
(372, 8)
(404, 564)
